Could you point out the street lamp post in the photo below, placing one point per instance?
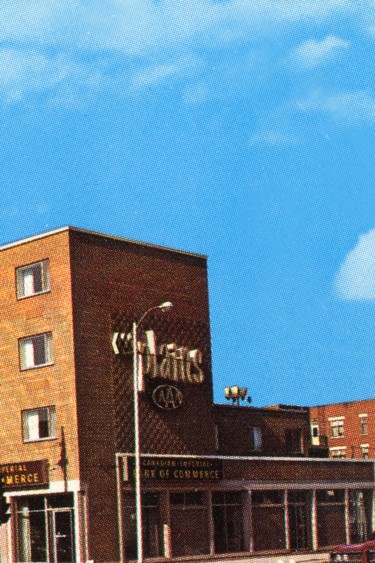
(137, 450)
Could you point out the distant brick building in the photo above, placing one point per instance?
(347, 429)
(215, 478)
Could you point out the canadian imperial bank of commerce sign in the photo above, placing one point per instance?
(24, 474)
(174, 469)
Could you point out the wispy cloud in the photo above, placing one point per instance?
(273, 138)
(25, 71)
(153, 75)
(344, 107)
(33, 34)
(132, 26)
(356, 277)
(312, 53)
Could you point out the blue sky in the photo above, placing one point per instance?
(243, 130)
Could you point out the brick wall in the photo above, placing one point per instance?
(113, 280)
(44, 386)
(234, 424)
(352, 438)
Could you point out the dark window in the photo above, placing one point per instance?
(152, 526)
(331, 496)
(192, 499)
(293, 440)
(228, 524)
(268, 497)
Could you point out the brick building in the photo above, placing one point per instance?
(347, 429)
(215, 478)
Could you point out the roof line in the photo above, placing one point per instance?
(98, 234)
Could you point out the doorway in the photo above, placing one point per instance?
(45, 529)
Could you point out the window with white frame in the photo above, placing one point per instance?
(35, 351)
(39, 424)
(315, 434)
(365, 450)
(255, 438)
(338, 453)
(33, 279)
(363, 423)
(336, 427)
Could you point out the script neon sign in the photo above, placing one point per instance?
(166, 361)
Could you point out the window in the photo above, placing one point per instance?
(336, 427)
(293, 440)
(35, 351)
(363, 421)
(152, 526)
(255, 439)
(330, 496)
(195, 498)
(36, 521)
(33, 279)
(338, 453)
(228, 525)
(365, 450)
(39, 424)
(315, 434)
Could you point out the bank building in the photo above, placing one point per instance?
(213, 480)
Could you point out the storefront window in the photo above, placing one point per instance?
(359, 515)
(152, 528)
(228, 524)
(269, 520)
(189, 524)
(331, 517)
(299, 510)
(45, 530)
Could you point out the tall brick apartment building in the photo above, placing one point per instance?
(215, 478)
(347, 429)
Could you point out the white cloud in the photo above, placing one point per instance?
(356, 277)
(25, 71)
(133, 26)
(273, 138)
(33, 32)
(157, 73)
(345, 107)
(312, 53)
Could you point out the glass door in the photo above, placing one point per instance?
(63, 547)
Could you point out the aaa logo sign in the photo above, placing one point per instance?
(167, 397)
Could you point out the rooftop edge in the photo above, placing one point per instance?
(98, 234)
